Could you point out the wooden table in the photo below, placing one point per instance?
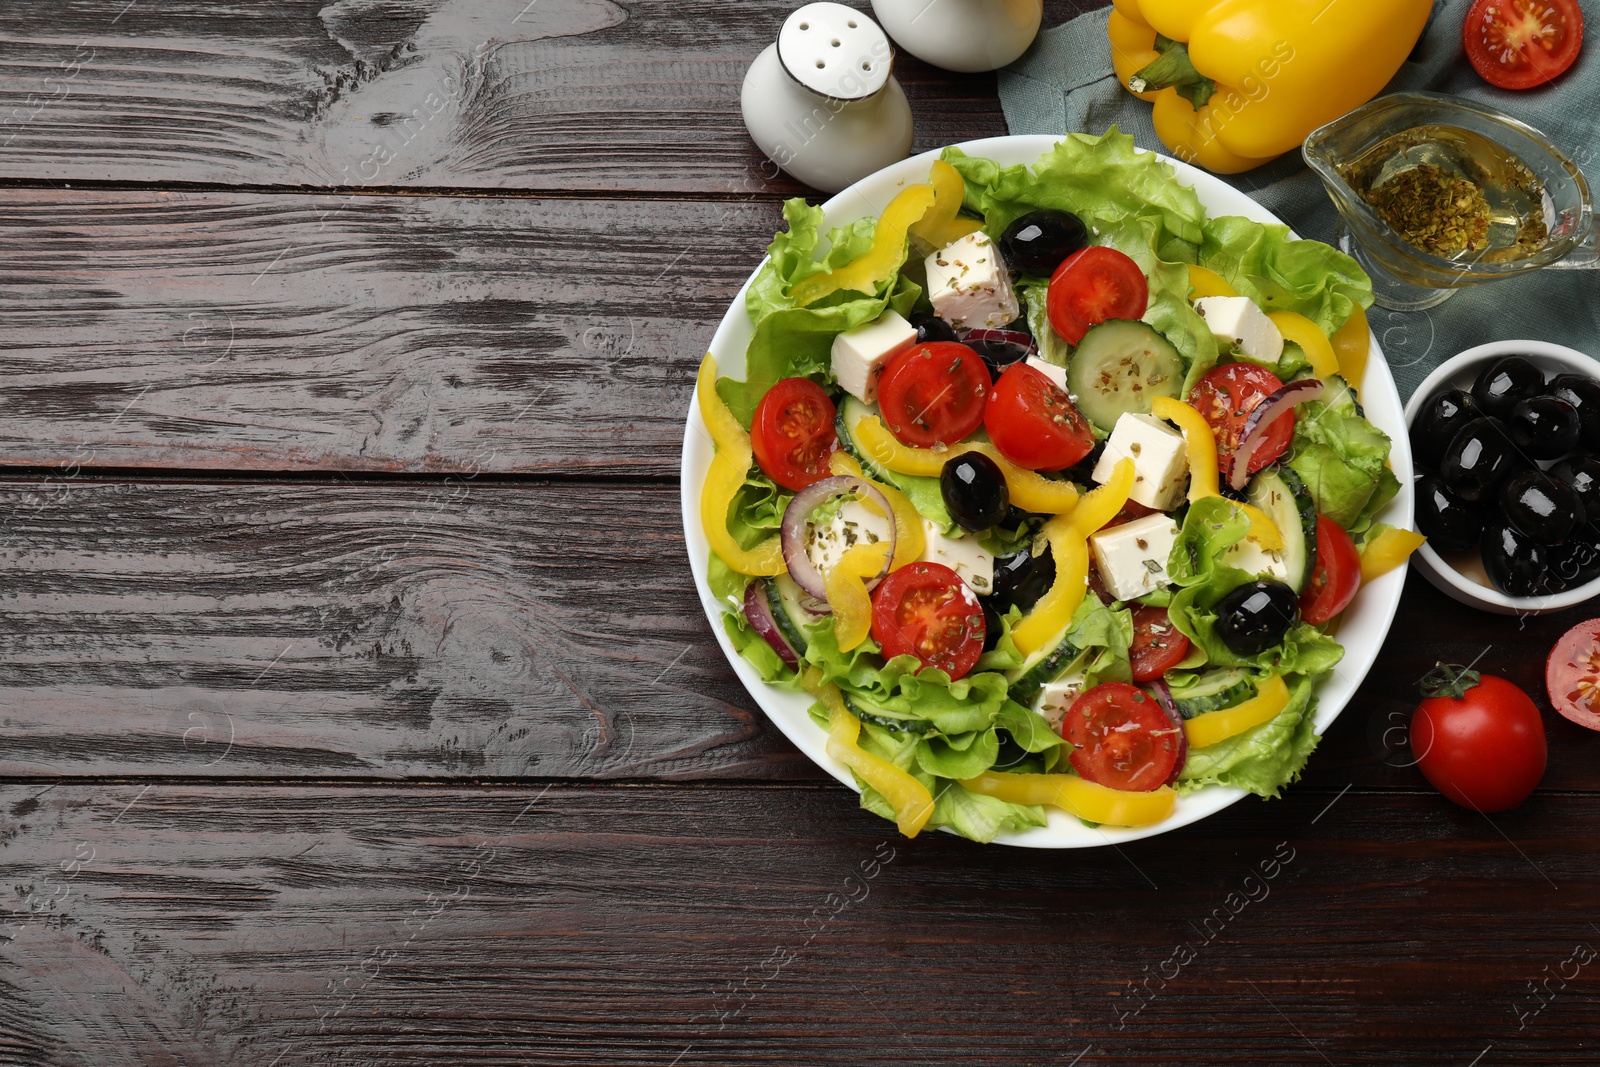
(357, 704)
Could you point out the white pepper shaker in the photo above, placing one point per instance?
(962, 35)
(822, 103)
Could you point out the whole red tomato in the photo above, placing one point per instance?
(1478, 739)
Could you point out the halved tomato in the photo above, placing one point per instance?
(1517, 44)
(925, 610)
(1572, 674)
(1121, 738)
(1158, 646)
(1225, 396)
(934, 393)
(1336, 577)
(1034, 423)
(1091, 286)
(792, 433)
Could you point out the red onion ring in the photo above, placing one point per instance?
(1261, 418)
(1163, 695)
(758, 612)
(809, 499)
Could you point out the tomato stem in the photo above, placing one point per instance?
(1448, 680)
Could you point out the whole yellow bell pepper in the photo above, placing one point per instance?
(1239, 82)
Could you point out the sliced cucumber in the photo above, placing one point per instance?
(1119, 367)
(1279, 492)
(851, 411)
(866, 711)
(1340, 396)
(1040, 669)
(783, 596)
(1215, 690)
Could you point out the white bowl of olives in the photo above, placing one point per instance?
(1506, 438)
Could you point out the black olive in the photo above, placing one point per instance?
(1544, 427)
(974, 491)
(1037, 242)
(1255, 616)
(1516, 565)
(1436, 424)
(932, 328)
(998, 354)
(1082, 471)
(1449, 523)
(1021, 579)
(1477, 459)
(1583, 393)
(1504, 382)
(1540, 507)
(1582, 473)
(1578, 561)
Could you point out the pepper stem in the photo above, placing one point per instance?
(1173, 70)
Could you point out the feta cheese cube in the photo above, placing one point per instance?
(859, 355)
(1160, 461)
(852, 524)
(1050, 370)
(969, 286)
(1057, 696)
(1251, 558)
(1132, 557)
(961, 554)
(1235, 320)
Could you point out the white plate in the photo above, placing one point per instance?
(1361, 630)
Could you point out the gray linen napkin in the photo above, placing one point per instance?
(1065, 82)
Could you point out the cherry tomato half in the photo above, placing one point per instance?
(1517, 44)
(792, 433)
(1572, 674)
(1158, 645)
(1485, 749)
(1092, 285)
(1337, 575)
(925, 610)
(1121, 738)
(1225, 396)
(934, 393)
(1034, 423)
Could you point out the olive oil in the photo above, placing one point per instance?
(1453, 193)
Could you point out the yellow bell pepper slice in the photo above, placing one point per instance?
(1263, 75)
(725, 478)
(723, 481)
(1077, 796)
(1387, 551)
(909, 540)
(730, 437)
(1029, 490)
(1133, 47)
(1263, 531)
(1069, 547)
(878, 263)
(1352, 343)
(941, 225)
(846, 583)
(912, 802)
(1272, 696)
(1198, 441)
(1206, 282)
(1309, 336)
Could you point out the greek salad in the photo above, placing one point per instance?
(1048, 488)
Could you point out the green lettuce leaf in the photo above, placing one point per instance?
(1100, 179)
(1196, 567)
(1343, 459)
(1264, 758)
(757, 509)
(1283, 274)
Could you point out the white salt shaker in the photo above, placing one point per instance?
(822, 103)
(962, 35)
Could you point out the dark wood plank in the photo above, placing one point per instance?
(450, 629)
(418, 334)
(250, 927)
(505, 94)
(464, 629)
